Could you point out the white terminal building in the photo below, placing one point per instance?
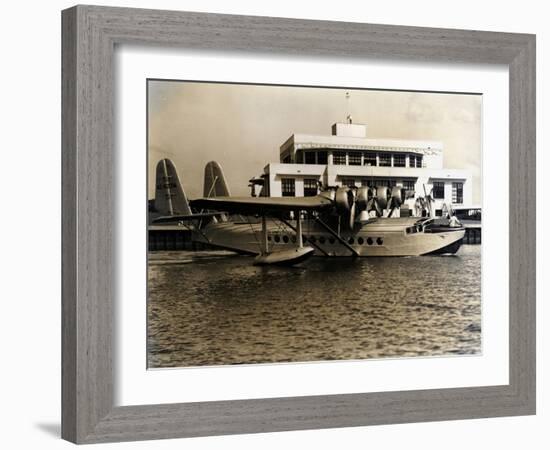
(348, 157)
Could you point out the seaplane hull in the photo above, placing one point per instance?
(381, 237)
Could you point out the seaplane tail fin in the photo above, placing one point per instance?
(214, 181)
(170, 199)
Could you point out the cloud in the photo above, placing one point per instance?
(465, 115)
(421, 110)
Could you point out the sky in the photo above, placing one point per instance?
(242, 126)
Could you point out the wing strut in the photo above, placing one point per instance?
(299, 229)
(289, 225)
(283, 257)
(265, 248)
(337, 237)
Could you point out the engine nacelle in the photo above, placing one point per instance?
(396, 197)
(364, 195)
(342, 200)
(383, 196)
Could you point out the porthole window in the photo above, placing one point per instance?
(322, 239)
(269, 238)
(360, 241)
(331, 240)
(379, 241)
(369, 240)
(351, 240)
(285, 239)
(277, 238)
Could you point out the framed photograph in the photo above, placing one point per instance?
(265, 229)
(373, 206)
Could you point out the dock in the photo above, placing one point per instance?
(473, 232)
(171, 237)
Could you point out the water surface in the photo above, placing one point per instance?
(213, 308)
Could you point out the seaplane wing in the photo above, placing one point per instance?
(185, 218)
(263, 205)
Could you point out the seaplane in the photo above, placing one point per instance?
(339, 221)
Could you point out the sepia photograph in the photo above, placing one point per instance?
(296, 224)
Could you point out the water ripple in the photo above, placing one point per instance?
(216, 308)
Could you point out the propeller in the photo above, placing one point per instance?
(344, 200)
(364, 194)
(363, 203)
(374, 206)
(352, 216)
(341, 200)
(429, 199)
(351, 201)
(383, 196)
(397, 195)
(419, 205)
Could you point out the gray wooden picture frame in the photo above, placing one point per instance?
(90, 34)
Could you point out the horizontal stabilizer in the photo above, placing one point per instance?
(186, 218)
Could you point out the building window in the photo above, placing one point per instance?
(398, 160)
(408, 185)
(369, 182)
(349, 182)
(310, 187)
(309, 157)
(322, 157)
(439, 190)
(339, 158)
(458, 197)
(384, 182)
(286, 159)
(415, 161)
(299, 157)
(385, 160)
(370, 159)
(288, 187)
(354, 158)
